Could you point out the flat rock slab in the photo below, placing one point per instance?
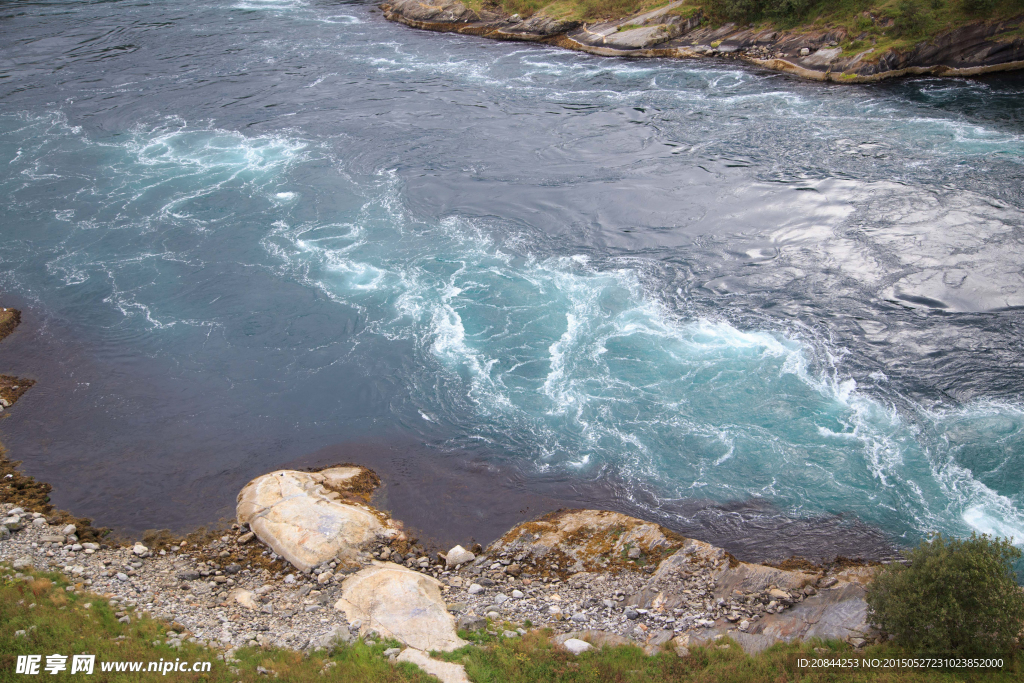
(636, 38)
(748, 577)
(399, 603)
(302, 516)
(446, 671)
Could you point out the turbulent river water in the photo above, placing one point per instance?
(249, 233)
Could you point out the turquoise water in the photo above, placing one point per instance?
(262, 228)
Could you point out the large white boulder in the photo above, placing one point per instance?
(310, 518)
(399, 603)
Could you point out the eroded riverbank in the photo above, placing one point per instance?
(974, 49)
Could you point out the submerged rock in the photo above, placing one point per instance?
(310, 518)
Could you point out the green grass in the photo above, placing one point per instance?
(533, 658)
(59, 622)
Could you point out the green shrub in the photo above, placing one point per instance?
(909, 19)
(787, 11)
(734, 10)
(978, 7)
(954, 596)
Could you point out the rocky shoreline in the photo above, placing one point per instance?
(977, 48)
(311, 563)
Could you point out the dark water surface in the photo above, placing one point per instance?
(250, 234)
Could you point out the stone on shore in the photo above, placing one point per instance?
(577, 646)
(246, 599)
(302, 516)
(472, 622)
(595, 638)
(446, 671)
(399, 603)
(458, 555)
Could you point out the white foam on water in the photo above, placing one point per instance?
(979, 519)
(269, 5)
(321, 79)
(343, 19)
(157, 178)
(579, 422)
(970, 138)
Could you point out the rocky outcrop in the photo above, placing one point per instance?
(837, 611)
(667, 590)
(11, 388)
(573, 541)
(980, 47)
(9, 319)
(399, 603)
(596, 578)
(676, 578)
(445, 11)
(312, 518)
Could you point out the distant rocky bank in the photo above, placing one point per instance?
(973, 49)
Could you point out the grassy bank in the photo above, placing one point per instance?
(56, 620)
(881, 24)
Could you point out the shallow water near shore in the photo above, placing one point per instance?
(260, 233)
